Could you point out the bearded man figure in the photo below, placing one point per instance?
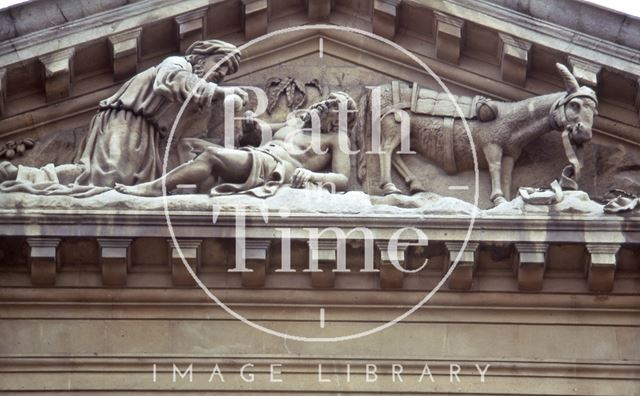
(124, 140)
(123, 143)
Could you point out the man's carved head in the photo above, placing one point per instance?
(329, 110)
(204, 55)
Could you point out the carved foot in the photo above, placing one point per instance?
(390, 188)
(416, 186)
(8, 171)
(149, 189)
(499, 200)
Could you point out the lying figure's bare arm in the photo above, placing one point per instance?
(251, 123)
(336, 180)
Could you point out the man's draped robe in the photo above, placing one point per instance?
(126, 138)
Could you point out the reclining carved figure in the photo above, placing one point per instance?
(290, 157)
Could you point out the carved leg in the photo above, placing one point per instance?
(493, 154)
(398, 163)
(507, 171)
(390, 136)
(193, 172)
(231, 165)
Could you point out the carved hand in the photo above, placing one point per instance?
(301, 177)
(239, 92)
(249, 123)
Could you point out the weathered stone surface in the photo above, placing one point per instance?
(319, 8)
(257, 252)
(385, 17)
(601, 263)
(390, 276)
(124, 52)
(323, 256)
(530, 264)
(30, 17)
(586, 72)
(57, 73)
(255, 18)
(115, 260)
(464, 256)
(514, 59)
(127, 330)
(448, 32)
(191, 27)
(189, 249)
(43, 260)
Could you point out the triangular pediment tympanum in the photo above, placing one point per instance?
(350, 62)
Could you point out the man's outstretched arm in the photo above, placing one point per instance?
(337, 179)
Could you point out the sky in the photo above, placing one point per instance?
(631, 7)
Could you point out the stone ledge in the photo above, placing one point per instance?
(398, 299)
(438, 365)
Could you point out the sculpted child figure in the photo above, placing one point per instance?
(296, 155)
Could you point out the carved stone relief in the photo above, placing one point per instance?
(294, 91)
(502, 133)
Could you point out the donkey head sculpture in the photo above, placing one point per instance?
(575, 111)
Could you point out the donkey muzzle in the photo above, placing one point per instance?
(579, 133)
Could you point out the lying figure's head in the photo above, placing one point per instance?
(204, 55)
(328, 112)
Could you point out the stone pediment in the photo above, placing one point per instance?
(107, 285)
(350, 63)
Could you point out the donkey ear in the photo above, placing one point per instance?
(570, 82)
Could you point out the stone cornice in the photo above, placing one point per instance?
(96, 26)
(482, 12)
(114, 223)
(539, 32)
